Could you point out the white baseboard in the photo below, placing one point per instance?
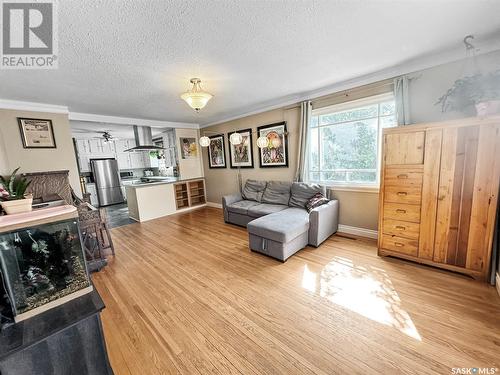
(497, 282)
(213, 204)
(362, 232)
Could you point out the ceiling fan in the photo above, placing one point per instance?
(105, 134)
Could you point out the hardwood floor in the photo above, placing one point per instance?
(185, 295)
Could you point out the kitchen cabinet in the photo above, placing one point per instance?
(123, 159)
(108, 148)
(136, 160)
(84, 162)
(97, 148)
(92, 190)
(123, 144)
(83, 146)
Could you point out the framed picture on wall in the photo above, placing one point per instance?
(241, 156)
(36, 133)
(217, 152)
(189, 148)
(276, 152)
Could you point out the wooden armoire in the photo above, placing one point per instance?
(438, 194)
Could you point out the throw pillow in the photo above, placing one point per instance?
(277, 192)
(253, 190)
(317, 200)
(302, 192)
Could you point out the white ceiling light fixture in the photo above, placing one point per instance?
(196, 98)
(262, 142)
(204, 141)
(235, 138)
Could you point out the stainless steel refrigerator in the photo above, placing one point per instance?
(107, 181)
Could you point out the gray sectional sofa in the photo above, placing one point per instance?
(276, 218)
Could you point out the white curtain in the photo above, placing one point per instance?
(402, 100)
(305, 118)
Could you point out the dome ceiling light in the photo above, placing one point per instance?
(196, 98)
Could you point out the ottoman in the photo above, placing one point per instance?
(279, 235)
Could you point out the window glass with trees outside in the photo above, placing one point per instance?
(345, 141)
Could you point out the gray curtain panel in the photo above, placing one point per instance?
(305, 118)
(401, 97)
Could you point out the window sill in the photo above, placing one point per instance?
(359, 189)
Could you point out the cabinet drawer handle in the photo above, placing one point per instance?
(400, 211)
(402, 176)
(402, 193)
(400, 227)
(399, 244)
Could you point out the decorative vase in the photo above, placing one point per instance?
(17, 206)
(491, 107)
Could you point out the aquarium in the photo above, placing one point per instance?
(43, 266)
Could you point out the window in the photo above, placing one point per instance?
(344, 141)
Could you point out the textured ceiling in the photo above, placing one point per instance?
(133, 58)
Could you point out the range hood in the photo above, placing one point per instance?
(143, 140)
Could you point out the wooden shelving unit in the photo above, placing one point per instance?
(190, 194)
(196, 192)
(181, 196)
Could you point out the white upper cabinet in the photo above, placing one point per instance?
(123, 144)
(83, 146)
(97, 148)
(123, 159)
(136, 160)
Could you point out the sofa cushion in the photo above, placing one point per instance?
(317, 200)
(281, 226)
(277, 192)
(301, 192)
(241, 207)
(253, 190)
(265, 209)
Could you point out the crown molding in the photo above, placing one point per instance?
(89, 117)
(407, 67)
(32, 106)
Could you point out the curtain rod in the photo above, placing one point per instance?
(345, 92)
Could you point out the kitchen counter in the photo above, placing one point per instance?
(171, 180)
(151, 200)
(168, 180)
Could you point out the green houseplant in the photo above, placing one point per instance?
(479, 90)
(13, 194)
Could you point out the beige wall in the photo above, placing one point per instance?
(37, 160)
(189, 168)
(357, 209)
(224, 181)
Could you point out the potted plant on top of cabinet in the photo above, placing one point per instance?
(12, 194)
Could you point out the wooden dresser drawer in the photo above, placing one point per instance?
(401, 228)
(402, 212)
(403, 194)
(400, 245)
(411, 177)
